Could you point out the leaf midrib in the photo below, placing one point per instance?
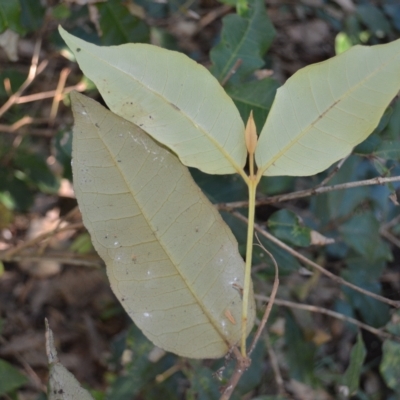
(160, 242)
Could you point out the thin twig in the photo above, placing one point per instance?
(332, 173)
(34, 70)
(309, 192)
(387, 235)
(80, 87)
(58, 96)
(312, 264)
(270, 303)
(26, 120)
(275, 366)
(334, 314)
(64, 258)
(15, 250)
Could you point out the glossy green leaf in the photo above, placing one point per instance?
(325, 109)
(242, 38)
(170, 258)
(256, 96)
(390, 364)
(62, 384)
(174, 99)
(351, 378)
(119, 26)
(10, 378)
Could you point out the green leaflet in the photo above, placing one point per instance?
(325, 109)
(171, 97)
(171, 260)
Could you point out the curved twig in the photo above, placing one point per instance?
(314, 265)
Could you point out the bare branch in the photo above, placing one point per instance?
(309, 192)
(242, 364)
(333, 172)
(334, 314)
(312, 264)
(34, 70)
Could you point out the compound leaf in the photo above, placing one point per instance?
(171, 260)
(325, 109)
(171, 97)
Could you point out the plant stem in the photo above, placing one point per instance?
(252, 184)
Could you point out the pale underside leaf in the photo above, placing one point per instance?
(171, 259)
(325, 109)
(62, 384)
(174, 99)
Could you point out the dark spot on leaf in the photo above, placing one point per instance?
(97, 125)
(78, 49)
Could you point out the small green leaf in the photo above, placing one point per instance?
(10, 378)
(120, 26)
(390, 364)
(242, 38)
(351, 378)
(285, 225)
(256, 96)
(326, 109)
(82, 244)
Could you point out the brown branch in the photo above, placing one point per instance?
(309, 192)
(333, 314)
(312, 264)
(242, 364)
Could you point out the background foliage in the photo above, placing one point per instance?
(311, 350)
